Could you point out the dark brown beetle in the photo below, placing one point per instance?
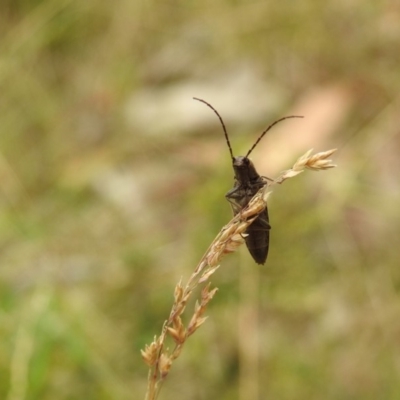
(247, 183)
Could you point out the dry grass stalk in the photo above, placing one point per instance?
(155, 355)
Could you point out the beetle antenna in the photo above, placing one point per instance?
(222, 123)
(263, 134)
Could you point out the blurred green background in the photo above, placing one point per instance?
(112, 186)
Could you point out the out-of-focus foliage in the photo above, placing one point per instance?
(112, 185)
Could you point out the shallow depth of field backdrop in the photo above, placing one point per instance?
(112, 183)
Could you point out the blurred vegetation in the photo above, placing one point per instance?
(106, 202)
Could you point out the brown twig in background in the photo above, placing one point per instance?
(157, 357)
